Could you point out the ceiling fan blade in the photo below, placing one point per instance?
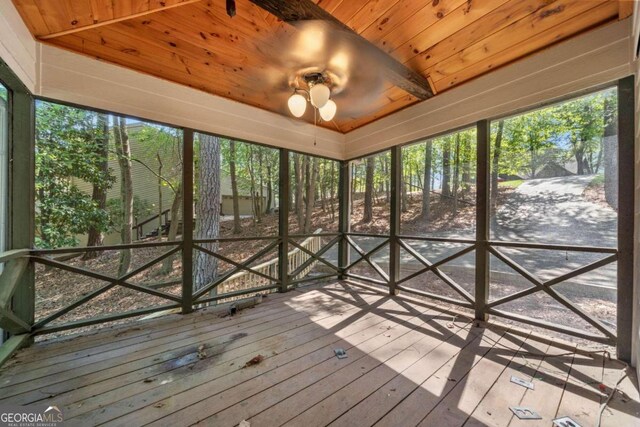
(317, 46)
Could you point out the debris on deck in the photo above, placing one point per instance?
(340, 353)
(244, 304)
(254, 361)
(202, 354)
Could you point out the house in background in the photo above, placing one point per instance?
(153, 197)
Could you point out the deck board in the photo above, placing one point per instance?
(408, 364)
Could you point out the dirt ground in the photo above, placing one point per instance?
(56, 289)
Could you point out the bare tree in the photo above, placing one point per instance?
(426, 184)
(368, 192)
(495, 166)
(299, 166)
(99, 192)
(332, 196)
(269, 203)
(610, 152)
(237, 227)
(311, 176)
(205, 268)
(446, 167)
(160, 182)
(172, 234)
(123, 152)
(456, 174)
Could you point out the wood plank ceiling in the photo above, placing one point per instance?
(195, 43)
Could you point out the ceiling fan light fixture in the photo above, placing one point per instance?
(297, 104)
(328, 112)
(319, 94)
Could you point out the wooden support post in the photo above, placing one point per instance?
(394, 218)
(482, 219)
(344, 215)
(626, 202)
(283, 196)
(12, 345)
(22, 187)
(187, 221)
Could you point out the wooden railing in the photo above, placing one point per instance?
(297, 257)
(15, 266)
(139, 226)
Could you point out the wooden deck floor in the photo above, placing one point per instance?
(409, 363)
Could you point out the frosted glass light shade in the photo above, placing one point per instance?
(328, 112)
(319, 95)
(297, 104)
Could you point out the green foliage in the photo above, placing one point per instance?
(557, 134)
(583, 122)
(511, 184)
(413, 158)
(3, 93)
(597, 181)
(68, 151)
(159, 141)
(256, 167)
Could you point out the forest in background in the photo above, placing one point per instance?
(75, 145)
(86, 186)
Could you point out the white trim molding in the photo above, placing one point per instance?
(78, 79)
(17, 47)
(589, 60)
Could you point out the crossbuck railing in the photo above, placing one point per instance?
(297, 257)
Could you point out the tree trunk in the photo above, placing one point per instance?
(446, 168)
(252, 189)
(123, 151)
(405, 185)
(312, 177)
(368, 192)
(456, 174)
(237, 227)
(99, 193)
(269, 208)
(495, 169)
(331, 193)
(466, 166)
(579, 155)
(610, 155)
(205, 267)
(292, 187)
(384, 186)
(159, 196)
(172, 234)
(261, 184)
(300, 185)
(426, 184)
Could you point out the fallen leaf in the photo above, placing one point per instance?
(254, 361)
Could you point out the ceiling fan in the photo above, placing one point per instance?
(326, 64)
(321, 71)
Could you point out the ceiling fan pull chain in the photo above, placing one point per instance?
(315, 127)
(231, 8)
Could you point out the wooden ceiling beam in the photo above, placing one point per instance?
(305, 10)
(115, 20)
(625, 8)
